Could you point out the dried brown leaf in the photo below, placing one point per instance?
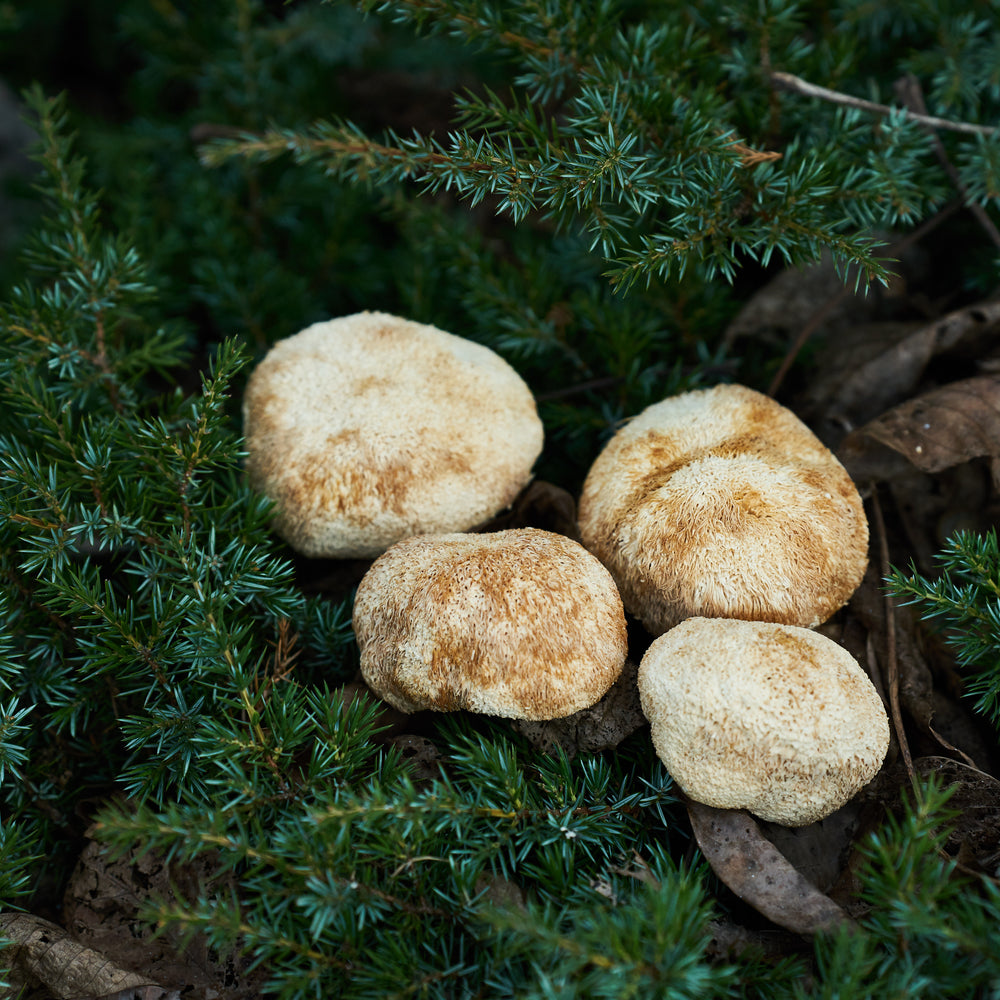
(975, 834)
(102, 908)
(863, 369)
(934, 431)
(888, 360)
(746, 861)
(789, 300)
(42, 954)
(817, 851)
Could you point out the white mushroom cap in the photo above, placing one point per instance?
(722, 503)
(523, 624)
(370, 428)
(775, 719)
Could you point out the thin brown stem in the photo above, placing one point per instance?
(892, 662)
(787, 81)
(816, 319)
(911, 94)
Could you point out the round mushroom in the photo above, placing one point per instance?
(722, 503)
(371, 428)
(524, 624)
(775, 719)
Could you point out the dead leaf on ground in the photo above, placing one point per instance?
(866, 369)
(601, 727)
(789, 300)
(975, 834)
(817, 851)
(939, 429)
(102, 907)
(746, 861)
(43, 955)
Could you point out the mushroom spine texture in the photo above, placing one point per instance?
(775, 719)
(722, 503)
(370, 428)
(522, 624)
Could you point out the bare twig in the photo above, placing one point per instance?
(892, 663)
(787, 81)
(816, 319)
(808, 329)
(909, 91)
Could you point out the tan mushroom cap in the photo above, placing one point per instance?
(722, 503)
(524, 624)
(371, 428)
(775, 719)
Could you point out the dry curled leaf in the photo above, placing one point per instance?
(874, 367)
(102, 908)
(746, 861)
(43, 955)
(934, 431)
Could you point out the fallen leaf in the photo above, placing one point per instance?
(934, 431)
(817, 851)
(746, 861)
(43, 955)
(102, 905)
(873, 368)
(788, 301)
(975, 833)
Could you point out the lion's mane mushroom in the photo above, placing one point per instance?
(722, 503)
(775, 719)
(523, 624)
(371, 428)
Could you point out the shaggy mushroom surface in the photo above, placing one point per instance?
(721, 503)
(370, 428)
(523, 624)
(775, 719)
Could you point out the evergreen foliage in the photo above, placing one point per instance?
(964, 598)
(156, 642)
(144, 596)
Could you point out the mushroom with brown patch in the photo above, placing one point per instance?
(370, 428)
(523, 624)
(722, 503)
(775, 719)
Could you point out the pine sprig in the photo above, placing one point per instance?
(965, 600)
(332, 872)
(930, 931)
(637, 156)
(144, 589)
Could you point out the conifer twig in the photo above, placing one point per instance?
(788, 81)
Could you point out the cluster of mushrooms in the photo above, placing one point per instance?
(716, 518)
